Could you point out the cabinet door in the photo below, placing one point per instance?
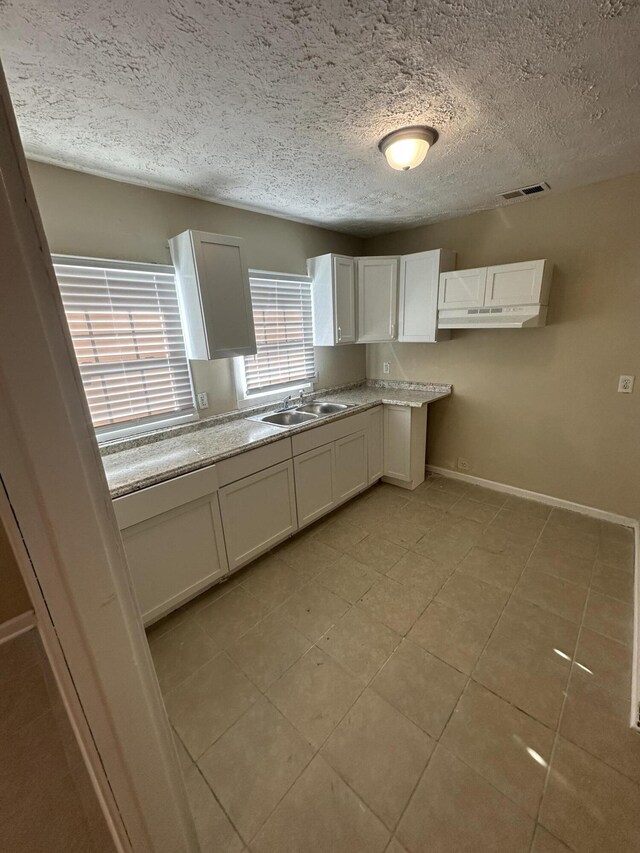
(514, 284)
(174, 555)
(258, 512)
(418, 306)
(377, 299)
(462, 288)
(397, 442)
(215, 299)
(375, 444)
(314, 475)
(351, 465)
(225, 294)
(344, 300)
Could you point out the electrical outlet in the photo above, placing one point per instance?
(203, 400)
(625, 384)
(463, 464)
(386, 367)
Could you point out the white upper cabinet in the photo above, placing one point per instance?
(334, 300)
(462, 288)
(518, 284)
(377, 299)
(418, 302)
(215, 300)
(509, 296)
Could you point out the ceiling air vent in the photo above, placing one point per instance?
(523, 192)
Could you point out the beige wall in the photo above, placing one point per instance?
(538, 408)
(99, 218)
(14, 599)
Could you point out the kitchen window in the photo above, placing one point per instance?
(125, 326)
(284, 361)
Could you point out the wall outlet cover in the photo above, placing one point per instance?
(625, 384)
(203, 400)
(386, 367)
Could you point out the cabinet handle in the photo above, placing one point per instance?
(339, 333)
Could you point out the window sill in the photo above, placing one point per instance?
(108, 436)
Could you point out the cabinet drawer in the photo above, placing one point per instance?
(251, 461)
(138, 506)
(317, 436)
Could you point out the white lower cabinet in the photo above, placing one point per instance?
(183, 535)
(174, 545)
(405, 445)
(351, 466)
(375, 443)
(315, 478)
(258, 512)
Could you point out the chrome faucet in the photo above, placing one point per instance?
(285, 403)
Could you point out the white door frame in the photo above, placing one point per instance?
(73, 561)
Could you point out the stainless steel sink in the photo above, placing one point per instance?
(300, 415)
(285, 419)
(317, 408)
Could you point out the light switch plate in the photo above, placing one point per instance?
(625, 384)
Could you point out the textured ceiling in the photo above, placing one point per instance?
(279, 104)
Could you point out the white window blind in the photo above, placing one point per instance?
(284, 332)
(125, 326)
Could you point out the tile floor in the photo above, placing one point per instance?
(443, 670)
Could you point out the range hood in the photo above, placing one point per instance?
(505, 317)
(508, 296)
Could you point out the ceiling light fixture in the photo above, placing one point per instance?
(406, 148)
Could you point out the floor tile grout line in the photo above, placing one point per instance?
(264, 694)
(225, 651)
(571, 676)
(557, 735)
(219, 802)
(317, 750)
(366, 685)
(470, 678)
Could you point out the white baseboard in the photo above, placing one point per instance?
(18, 625)
(601, 514)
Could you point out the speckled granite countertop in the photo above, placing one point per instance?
(145, 461)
